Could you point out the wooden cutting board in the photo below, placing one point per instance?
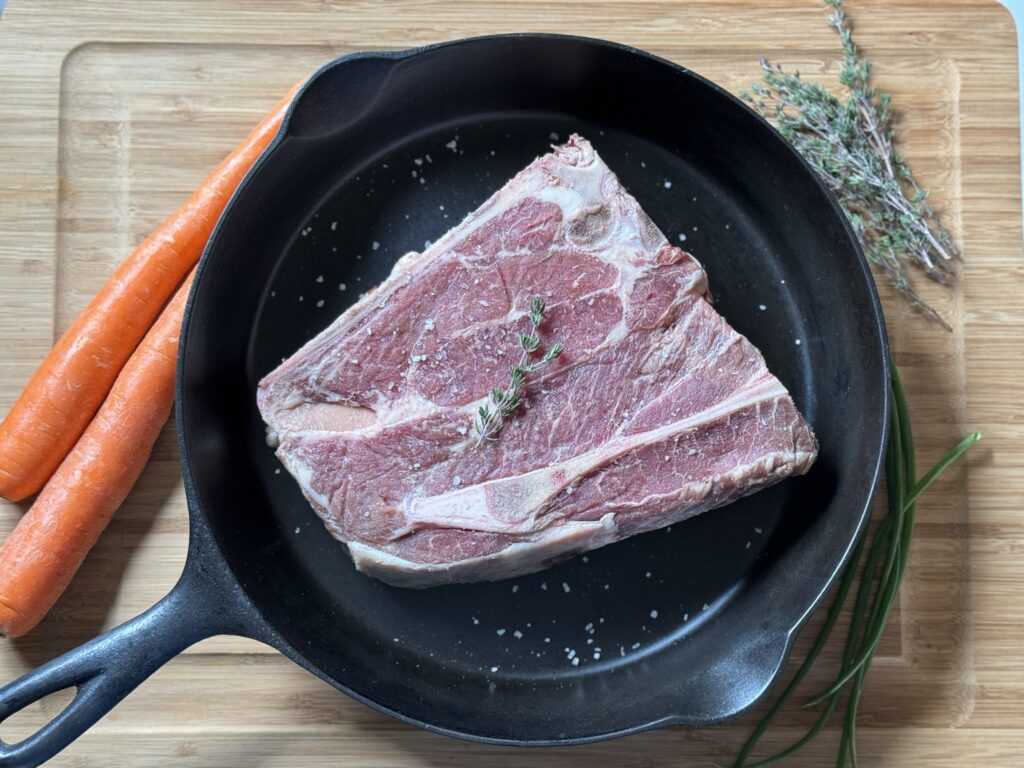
(111, 112)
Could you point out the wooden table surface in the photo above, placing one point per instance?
(110, 112)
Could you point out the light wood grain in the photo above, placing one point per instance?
(111, 112)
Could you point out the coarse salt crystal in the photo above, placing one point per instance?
(500, 632)
(319, 278)
(565, 587)
(342, 287)
(654, 614)
(320, 303)
(517, 635)
(668, 184)
(376, 245)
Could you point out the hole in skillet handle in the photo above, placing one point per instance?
(25, 722)
(323, 107)
(105, 670)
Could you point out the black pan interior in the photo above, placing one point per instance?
(385, 152)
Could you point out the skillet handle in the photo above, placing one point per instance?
(107, 669)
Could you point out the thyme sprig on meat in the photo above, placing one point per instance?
(850, 144)
(503, 403)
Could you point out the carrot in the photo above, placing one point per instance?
(74, 378)
(45, 549)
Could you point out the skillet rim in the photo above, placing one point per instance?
(874, 311)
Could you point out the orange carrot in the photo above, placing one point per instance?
(74, 378)
(50, 542)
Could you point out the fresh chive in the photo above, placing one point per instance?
(938, 469)
(802, 742)
(872, 608)
(834, 612)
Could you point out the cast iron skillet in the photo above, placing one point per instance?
(692, 623)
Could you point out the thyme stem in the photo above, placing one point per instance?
(849, 142)
(503, 403)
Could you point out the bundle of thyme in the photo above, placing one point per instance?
(503, 403)
(850, 144)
